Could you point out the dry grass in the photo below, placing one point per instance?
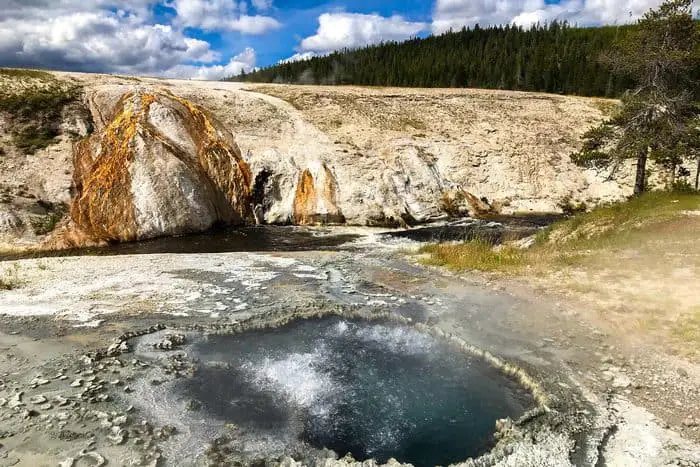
(607, 107)
(17, 73)
(579, 239)
(476, 254)
(10, 279)
(35, 101)
(635, 266)
(687, 329)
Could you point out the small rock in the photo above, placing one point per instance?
(39, 381)
(77, 383)
(29, 413)
(60, 401)
(166, 432)
(16, 400)
(97, 459)
(38, 400)
(193, 405)
(117, 438)
(119, 421)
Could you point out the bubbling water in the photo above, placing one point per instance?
(371, 390)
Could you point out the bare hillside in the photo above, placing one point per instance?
(361, 156)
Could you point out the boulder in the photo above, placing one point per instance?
(158, 165)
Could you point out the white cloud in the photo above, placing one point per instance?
(253, 25)
(245, 61)
(98, 41)
(110, 36)
(262, 5)
(340, 30)
(300, 57)
(224, 15)
(454, 14)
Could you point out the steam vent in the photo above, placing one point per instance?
(159, 166)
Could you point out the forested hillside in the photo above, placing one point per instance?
(554, 58)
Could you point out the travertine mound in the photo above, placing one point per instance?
(158, 165)
(315, 200)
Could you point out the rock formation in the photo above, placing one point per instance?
(162, 160)
(315, 199)
(159, 166)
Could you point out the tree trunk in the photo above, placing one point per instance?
(697, 176)
(640, 181)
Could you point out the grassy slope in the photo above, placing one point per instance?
(636, 263)
(35, 100)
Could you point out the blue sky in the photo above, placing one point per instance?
(300, 19)
(210, 39)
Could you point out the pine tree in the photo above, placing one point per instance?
(658, 118)
(551, 58)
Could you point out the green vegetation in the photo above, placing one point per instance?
(688, 328)
(10, 279)
(47, 223)
(35, 101)
(32, 138)
(571, 241)
(659, 119)
(554, 58)
(476, 254)
(22, 73)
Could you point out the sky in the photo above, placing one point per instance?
(212, 39)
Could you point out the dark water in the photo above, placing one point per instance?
(220, 240)
(293, 238)
(375, 391)
(494, 229)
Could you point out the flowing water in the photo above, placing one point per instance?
(264, 238)
(372, 390)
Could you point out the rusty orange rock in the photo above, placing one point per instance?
(161, 166)
(315, 200)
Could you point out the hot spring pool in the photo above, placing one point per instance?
(371, 390)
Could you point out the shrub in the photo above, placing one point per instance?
(683, 186)
(32, 138)
(36, 109)
(42, 225)
(10, 278)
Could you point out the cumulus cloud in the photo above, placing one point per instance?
(340, 30)
(454, 14)
(245, 61)
(224, 15)
(262, 5)
(111, 36)
(98, 42)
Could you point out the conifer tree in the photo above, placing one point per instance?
(658, 118)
